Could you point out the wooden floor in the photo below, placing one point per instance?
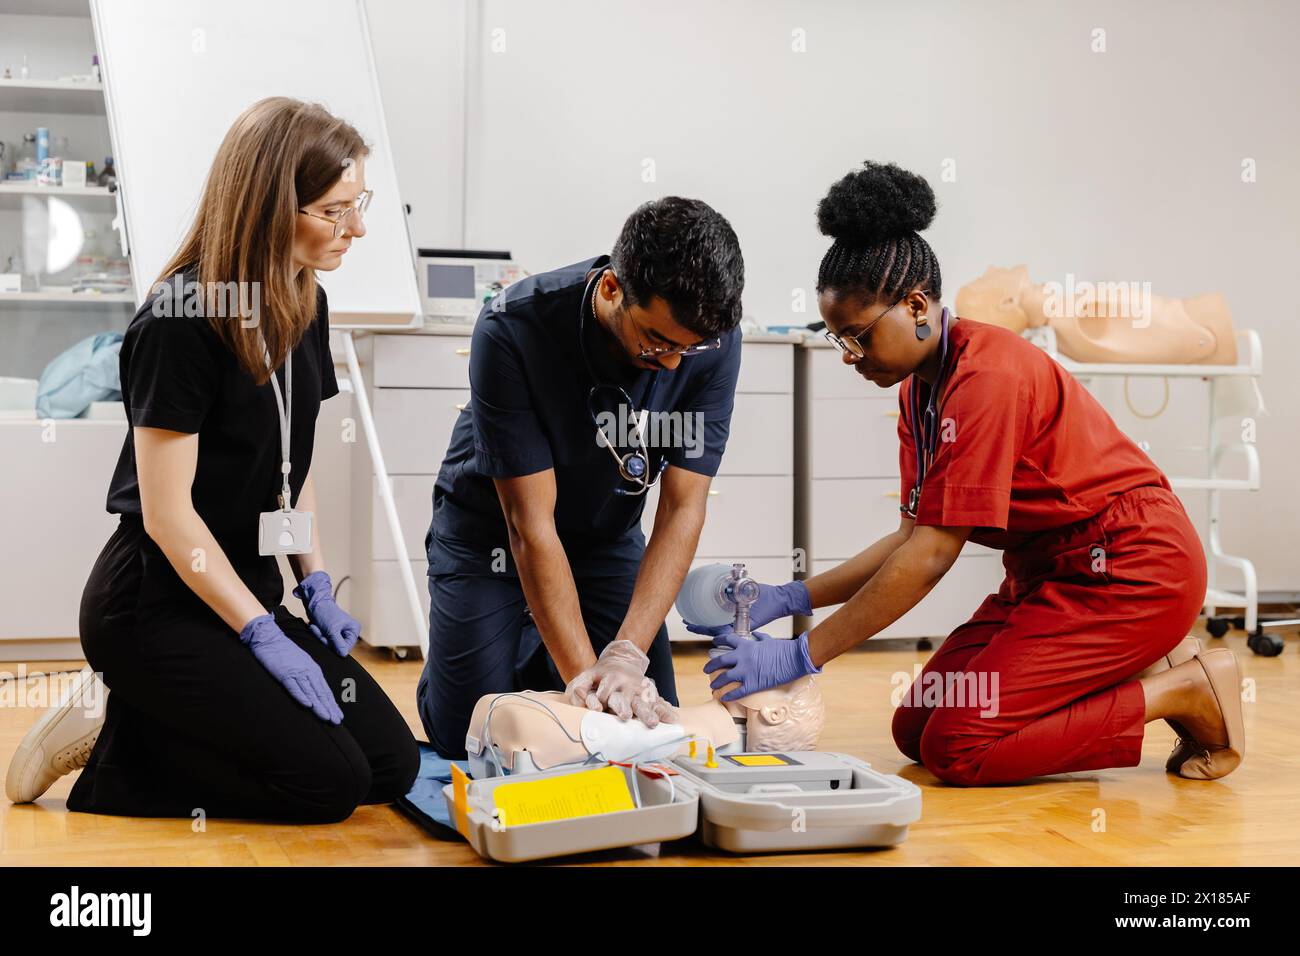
(1150, 818)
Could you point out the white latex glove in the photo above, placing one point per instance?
(617, 683)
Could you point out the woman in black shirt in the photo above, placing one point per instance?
(223, 703)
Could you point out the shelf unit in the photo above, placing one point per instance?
(32, 189)
(52, 96)
(80, 102)
(1215, 483)
(66, 296)
(53, 492)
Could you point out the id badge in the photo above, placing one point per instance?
(284, 532)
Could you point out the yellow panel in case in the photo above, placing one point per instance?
(583, 794)
(759, 760)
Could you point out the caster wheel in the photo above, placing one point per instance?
(400, 653)
(924, 644)
(1265, 645)
(1217, 626)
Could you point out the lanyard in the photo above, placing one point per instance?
(925, 426)
(284, 407)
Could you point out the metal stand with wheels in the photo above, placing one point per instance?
(1266, 645)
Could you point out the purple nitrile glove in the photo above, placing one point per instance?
(291, 666)
(775, 601)
(329, 622)
(758, 664)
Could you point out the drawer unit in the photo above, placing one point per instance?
(413, 495)
(388, 615)
(848, 514)
(421, 361)
(419, 383)
(766, 367)
(828, 377)
(414, 426)
(847, 487)
(854, 437)
(749, 516)
(762, 436)
(953, 600)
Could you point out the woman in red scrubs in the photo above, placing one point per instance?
(1061, 669)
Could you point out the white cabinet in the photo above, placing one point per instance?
(52, 496)
(952, 602)
(419, 382)
(848, 494)
(751, 500)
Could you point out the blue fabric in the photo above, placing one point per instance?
(529, 411)
(425, 801)
(85, 373)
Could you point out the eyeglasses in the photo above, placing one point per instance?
(853, 343)
(685, 351)
(346, 219)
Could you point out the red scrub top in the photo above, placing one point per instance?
(1023, 446)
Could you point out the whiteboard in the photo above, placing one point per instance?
(176, 75)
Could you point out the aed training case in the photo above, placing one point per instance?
(803, 800)
(667, 813)
(748, 803)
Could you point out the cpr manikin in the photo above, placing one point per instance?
(1101, 322)
(539, 730)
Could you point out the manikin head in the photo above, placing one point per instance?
(879, 282)
(786, 718)
(998, 298)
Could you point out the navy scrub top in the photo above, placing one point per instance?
(528, 412)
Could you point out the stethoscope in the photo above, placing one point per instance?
(635, 465)
(926, 439)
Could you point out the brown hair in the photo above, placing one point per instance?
(278, 156)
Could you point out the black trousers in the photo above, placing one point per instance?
(483, 640)
(195, 724)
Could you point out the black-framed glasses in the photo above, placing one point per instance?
(853, 343)
(685, 351)
(349, 216)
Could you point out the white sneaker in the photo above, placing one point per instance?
(60, 741)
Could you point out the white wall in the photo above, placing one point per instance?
(1121, 165)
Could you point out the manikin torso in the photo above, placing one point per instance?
(787, 718)
(1106, 324)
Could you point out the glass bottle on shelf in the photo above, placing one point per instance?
(108, 175)
(26, 163)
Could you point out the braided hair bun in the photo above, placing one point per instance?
(876, 203)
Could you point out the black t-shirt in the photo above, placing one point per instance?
(528, 412)
(177, 374)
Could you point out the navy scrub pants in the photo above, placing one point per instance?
(482, 640)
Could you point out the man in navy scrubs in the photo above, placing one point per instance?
(539, 575)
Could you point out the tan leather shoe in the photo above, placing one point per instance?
(1212, 762)
(1185, 746)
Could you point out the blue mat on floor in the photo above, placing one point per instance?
(425, 802)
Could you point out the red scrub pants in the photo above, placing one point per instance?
(1037, 682)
